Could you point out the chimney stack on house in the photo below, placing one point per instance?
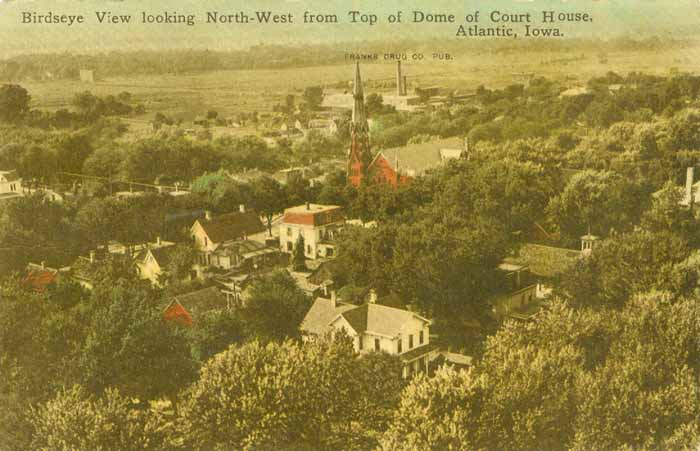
(158, 241)
(207, 215)
(241, 208)
(308, 206)
(689, 180)
(334, 299)
(92, 256)
(43, 265)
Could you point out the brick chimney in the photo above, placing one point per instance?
(92, 256)
(372, 296)
(308, 206)
(158, 241)
(334, 299)
(207, 215)
(241, 208)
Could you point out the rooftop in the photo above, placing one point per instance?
(313, 214)
(379, 319)
(231, 226)
(418, 158)
(321, 313)
(545, 261)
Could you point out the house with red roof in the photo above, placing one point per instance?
(186, 308)
(317, 224)
(39, 278)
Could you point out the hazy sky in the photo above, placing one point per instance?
(611, 18)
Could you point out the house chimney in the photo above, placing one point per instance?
(372, 296)
(207, 215)
(308, 206)
(325, 290)
(158, 241)
(43, 265)
(241, 208)
(334, 299)
(92, 256)
(689, 176)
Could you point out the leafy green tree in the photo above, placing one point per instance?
(215, 331)
(275, 308)
(129, 346)
(298, 257)
(76, 420)
(14, 102)
(268, 198)
(313, 97)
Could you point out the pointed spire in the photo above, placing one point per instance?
(358, 108)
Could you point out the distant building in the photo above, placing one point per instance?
(318, 224)
(517, 294)
(152, 260)
(399, 165)
(39, 278)
(375, 328)
(10, 185)
(87, 76)
(360, 154)
(186, 309)
(327, 127)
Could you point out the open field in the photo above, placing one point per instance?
(229, 92)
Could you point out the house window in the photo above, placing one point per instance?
(398, 347)
(420, 337)
(289, 246)
(329, 252)
(289, 231)
(376, 344)
(308, 249)
(359, 343)
(206, 241)
(410, 341)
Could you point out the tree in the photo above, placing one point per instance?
(181, 259)
(313, 97)
(76, 420)
(268, 198)
(298, 257)
(279, 396)
(14, 102)
(129, 346)
(275, 308)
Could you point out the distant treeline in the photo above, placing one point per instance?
(66, 66)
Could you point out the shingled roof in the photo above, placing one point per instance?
(232, 226)
(379, 319)
(320, 315)
(420, 157)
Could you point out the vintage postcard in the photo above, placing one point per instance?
(305, 225)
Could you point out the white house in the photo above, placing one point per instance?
(327, 127)
(318, 224)
(10, 185)
(152, 260)
(225, 241)
(376, 328)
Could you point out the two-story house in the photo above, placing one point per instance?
(318, 224)
(375, 328)
(152, 260)
(10, 185)
(220, 239)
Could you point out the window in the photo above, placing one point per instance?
(308, 249)
(376, 344)
(420, 337)
(359, 343)
(289, 246)
(206, 241)
(329, 252)
(410, 341)
(398, 347)
(289, 231)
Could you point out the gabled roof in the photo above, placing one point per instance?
(161, 254)
(379, 319)
(39, 279)
(418, 158)
(232, 226)
(320, 315)
(204, 300)
(9, 176)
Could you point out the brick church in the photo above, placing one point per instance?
(397, 166)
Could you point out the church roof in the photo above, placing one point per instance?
(415, 159)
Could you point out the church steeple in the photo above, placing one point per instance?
(360, 156)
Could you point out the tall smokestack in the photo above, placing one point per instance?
(405, 86)
(689, 176)
(399, 79)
